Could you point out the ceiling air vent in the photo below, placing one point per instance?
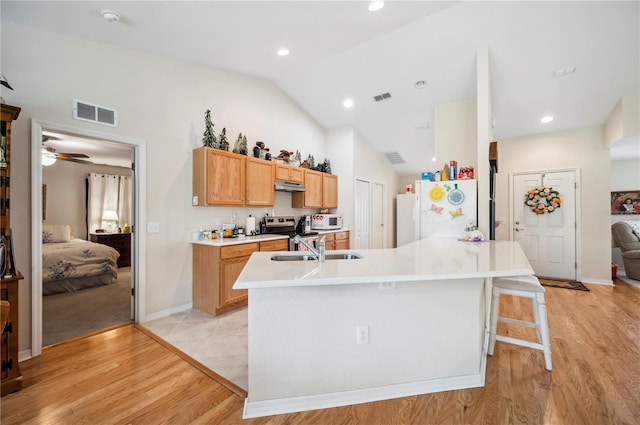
(98, 114)
(382, 96)
(394, 158)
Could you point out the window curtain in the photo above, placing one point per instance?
(108, 193)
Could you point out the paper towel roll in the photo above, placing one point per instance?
(250, 227)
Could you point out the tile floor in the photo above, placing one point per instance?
(220, 343)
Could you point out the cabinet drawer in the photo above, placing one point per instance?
(279, 245)
(240, 250)
(341, 235)
(329, 237)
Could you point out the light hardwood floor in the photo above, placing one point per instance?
(125, 376)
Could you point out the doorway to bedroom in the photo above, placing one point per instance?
(87, 253)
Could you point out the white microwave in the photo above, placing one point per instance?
(326, 221)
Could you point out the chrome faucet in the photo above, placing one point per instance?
(318, 253)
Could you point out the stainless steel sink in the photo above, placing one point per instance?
(307, 257)
(348, 256)
(292, 257)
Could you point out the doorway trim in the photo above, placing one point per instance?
(140, 214)
(578, 210)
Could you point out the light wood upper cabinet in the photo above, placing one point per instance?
(312, 196)
(329, 191)
(288, 173)
(226, 178)
(260, 179)
(321, 191)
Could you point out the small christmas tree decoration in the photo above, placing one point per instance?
(208, 138)
(297, 156)
(236, 147)
(243, 146)
(224, 143)
(312, 162)
(327, 166)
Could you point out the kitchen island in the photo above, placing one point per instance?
(394, 323)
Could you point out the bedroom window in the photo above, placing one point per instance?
(108, 194)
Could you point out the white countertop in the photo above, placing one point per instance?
(427, 259)
(237, 241)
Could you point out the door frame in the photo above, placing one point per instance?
(139, 204)
(578, 210)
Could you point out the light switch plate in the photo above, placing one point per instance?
(153, 227)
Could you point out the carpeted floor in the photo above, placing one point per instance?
(72, 314)
(563, 284)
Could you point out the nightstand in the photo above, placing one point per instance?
(121, 242)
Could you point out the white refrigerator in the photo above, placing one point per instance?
(407, 218)
(437, 209)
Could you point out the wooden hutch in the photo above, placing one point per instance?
(11, 375)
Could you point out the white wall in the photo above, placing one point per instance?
(623, 121)
(66, 192)
(341, 151)
(583, 149)
(161, 101)
(355, 158)
(455, 133)
(371, 165)
(625, 175)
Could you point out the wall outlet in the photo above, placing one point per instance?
(217, 222)
(195, 201)
(153, 227)
(362, 334)
(385, 286)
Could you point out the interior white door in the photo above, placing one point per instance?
(548, 240)
(377, 216)
(363, 214)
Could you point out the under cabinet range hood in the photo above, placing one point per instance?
(289, 187)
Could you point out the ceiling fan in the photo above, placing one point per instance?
(50, 154)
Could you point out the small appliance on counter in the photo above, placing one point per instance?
(304, 225)
(326, 222)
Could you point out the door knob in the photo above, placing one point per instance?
(517, 229)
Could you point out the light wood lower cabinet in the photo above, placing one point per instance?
(215, 270)
(336, 241)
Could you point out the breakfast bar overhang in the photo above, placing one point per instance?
(394, 323)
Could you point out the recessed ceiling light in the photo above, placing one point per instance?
(283, 52)
(110, 15)
(420, 84)
(546, 119)
(348, 103)
(434, 159)
(374, 6)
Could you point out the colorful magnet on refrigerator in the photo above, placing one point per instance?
(436, 193)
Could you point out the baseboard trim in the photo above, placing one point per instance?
(24, 355)
(168, 312)
(597, 281)
(280, 406)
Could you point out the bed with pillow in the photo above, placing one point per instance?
(70, 264)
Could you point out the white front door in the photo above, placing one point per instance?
(377, 216)
(549, 239)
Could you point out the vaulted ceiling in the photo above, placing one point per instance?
(338, 50)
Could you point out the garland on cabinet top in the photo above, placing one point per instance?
(542, 199)
(210, 140)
